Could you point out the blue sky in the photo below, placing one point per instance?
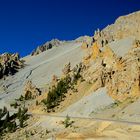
(25, 24)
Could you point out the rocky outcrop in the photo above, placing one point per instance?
(31, 91)
(48, 45)
(92, 53)
(125, 82)
(9, 64)
(86, 40)
(67, 68)
(104, 67)
(121, 75)
(84, 45)
(54, 80)
(124, 26)
(57, 43)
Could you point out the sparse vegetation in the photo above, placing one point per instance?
(28, 95)
(115, 104)
(57, 92)
(21, 98)
(8, 123)
(36, 102)
(22, 116)
(67, 122)
(15, 104)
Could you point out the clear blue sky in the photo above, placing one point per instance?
(25, 24)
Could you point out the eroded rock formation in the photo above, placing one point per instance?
(120, 75)
(9, 64)
(124, 26)
(48, 45)
(67, 68)
(31, 91)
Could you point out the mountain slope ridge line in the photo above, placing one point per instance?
(51, 59)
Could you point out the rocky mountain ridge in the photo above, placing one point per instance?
(57, 43)
(124, 26)
(48, 45)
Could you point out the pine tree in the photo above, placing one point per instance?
(19, 113)
(5, 124)
(21, 122)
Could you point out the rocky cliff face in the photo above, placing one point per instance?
(125, 82)
(48, 45)
(105, 67)
(9, 64)
(123, 27)
(57, 43)
(121, 75)
(31, 91)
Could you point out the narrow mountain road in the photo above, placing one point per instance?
(87, 118)
(81, 118)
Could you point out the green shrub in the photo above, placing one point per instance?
(12, 126)
(3, 112)
(8, 123)
(36, 102)
(67, 122)
(21, 98)
(15, 105)
(22, 116)
(57, 93)
(28, 95)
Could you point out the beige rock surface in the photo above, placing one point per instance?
(119, 74)
(31, 90)
(124, 26)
